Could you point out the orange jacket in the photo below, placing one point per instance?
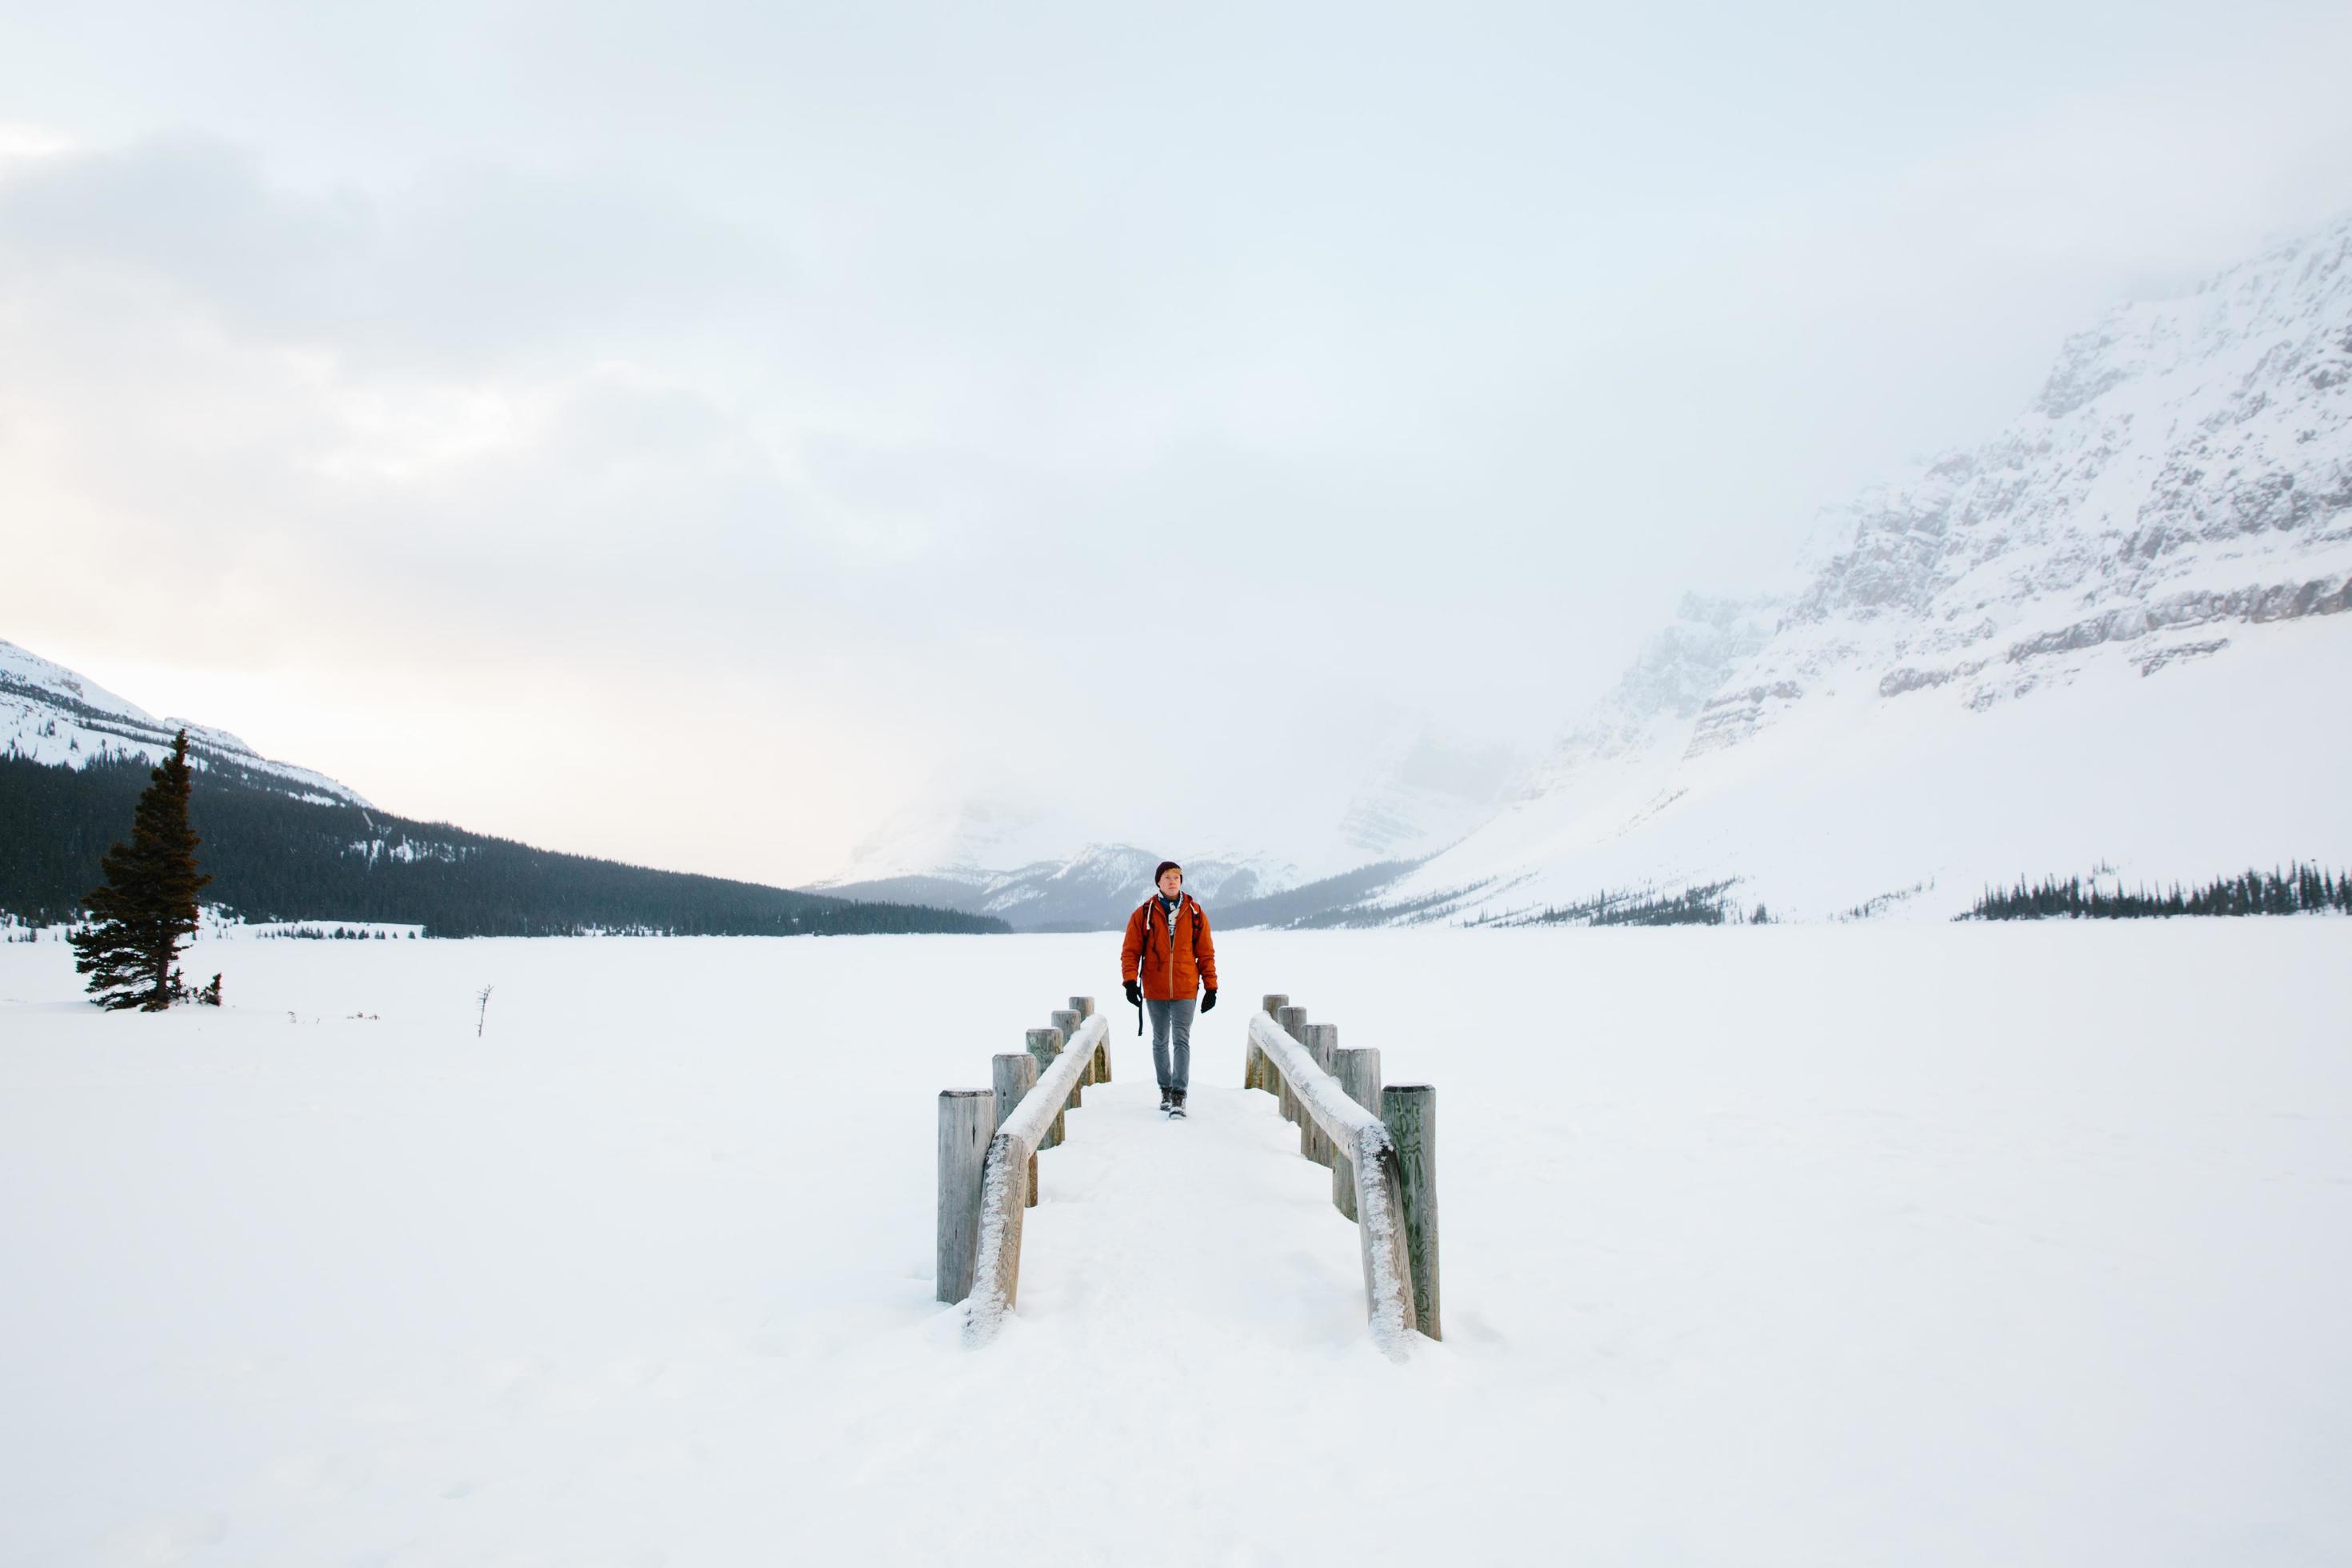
(1171, 971)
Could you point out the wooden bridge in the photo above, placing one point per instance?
(1379, 1142)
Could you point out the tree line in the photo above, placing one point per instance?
(271, 857)
(1706, 904)
(2302, 888)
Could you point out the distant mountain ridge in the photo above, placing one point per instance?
(1407, 790)
(285, 843)
(1093, 889)
(54, 717)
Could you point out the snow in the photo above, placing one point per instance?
(2141, 580)
(54, 718)
(406, 849)
(51, 716)
(1364, 1141)
(217, 926)
(1850, 796)
(1051, 1092)
(23, 668)
(1004, 1181)
(2153, 561)
(1823, 1245)
(1393, 786)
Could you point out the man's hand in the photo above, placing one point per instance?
(1134, 994)
(1207, 999)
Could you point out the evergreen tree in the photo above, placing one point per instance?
(148, 903)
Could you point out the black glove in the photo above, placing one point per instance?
(1134, 994)
(1208, 998)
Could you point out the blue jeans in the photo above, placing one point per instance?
(1171, 1018)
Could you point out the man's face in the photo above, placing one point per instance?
(1170, 880)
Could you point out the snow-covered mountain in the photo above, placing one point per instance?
(1422, 790)
(992, 853)
(52, 716)
(1409, 789)
(284, 843)
(2110, 635)
(1090, 891)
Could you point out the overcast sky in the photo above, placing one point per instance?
(687, 433)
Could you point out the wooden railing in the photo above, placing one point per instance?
(1382, 1145)
(989, 1139)
(1380, 1141)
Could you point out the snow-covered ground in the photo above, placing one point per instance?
(1855, 1245)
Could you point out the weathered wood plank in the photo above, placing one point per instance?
(1293, 1022)
(1085, 1008)
(1409, 1111)
(1066, 1020)
(1005, 1192)
(1380, 1227)
(1005, 1187)
(1045, 1045)
(1016, 1074)
(967, 1121)
(1388, 1259)
(1358, 1071)
(1322, 1043)
(1255, 1073)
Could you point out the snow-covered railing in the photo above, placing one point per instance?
(1383, 1166)
(989, 1139)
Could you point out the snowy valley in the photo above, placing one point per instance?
(2059, 651)
(1929, 1245)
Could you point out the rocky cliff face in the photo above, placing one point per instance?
(1678, 678)
(2133, 560)
(1421, 792)
(2186, 466)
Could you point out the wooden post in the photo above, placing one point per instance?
(1067, 1021)
(1359, 1072)
(1411, 1112)
(1015, 1075)
(967, 1121)
(1385, 1248)
(1293, 1022)
(1085, 1008)
(1258, 1072)
(1322, 1043)
(1045, 1045)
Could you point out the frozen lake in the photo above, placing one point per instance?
(1786, 1244)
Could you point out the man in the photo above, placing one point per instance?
(1166, 957)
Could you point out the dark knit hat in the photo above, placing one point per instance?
(1166, 867)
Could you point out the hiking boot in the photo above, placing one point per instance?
(1177, 1109)
(1167, 1099)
